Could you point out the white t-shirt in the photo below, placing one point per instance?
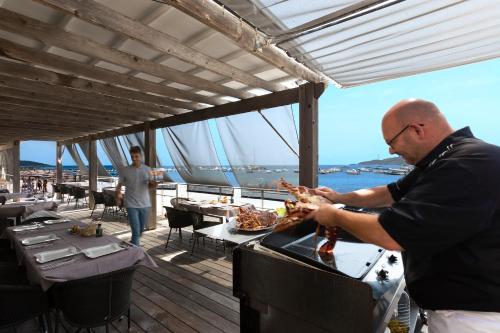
(455, 321)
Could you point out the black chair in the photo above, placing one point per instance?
(20, 302)
(56, 188)
(109, 203)
(79, 193)
(71, 193)
(177, 219)
(64, 190)
(95, 301)
(12, 212)
(4, 190)
(3, 200)
(98, 199)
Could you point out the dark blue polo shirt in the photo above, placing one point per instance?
(446, 216)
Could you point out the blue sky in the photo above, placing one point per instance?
(349, 119)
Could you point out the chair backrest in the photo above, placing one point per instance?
(79, 192)
(98, 197)
(64, 189)
(3, 199)
(109, 200)
(178, 218)
(20, 303)
(56, 188)
(4, 190)
(93, 301)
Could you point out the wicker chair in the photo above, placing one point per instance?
(98, 198)
(95, 301)
(20, 301)
(3, 199)
(109, 203)
(64, 190)
(177, 219)
(79, 193)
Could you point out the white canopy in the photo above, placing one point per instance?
(385, 40)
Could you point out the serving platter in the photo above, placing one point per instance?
(39, 239)
(99, 251)
(56, 221)
(46, 256)
(27, 227)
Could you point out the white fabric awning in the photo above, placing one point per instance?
(399, 39)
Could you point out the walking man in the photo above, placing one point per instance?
(136, 179)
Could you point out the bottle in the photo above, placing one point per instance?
(98, 230)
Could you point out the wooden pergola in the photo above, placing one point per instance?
(74, 71)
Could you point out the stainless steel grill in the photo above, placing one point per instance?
(285, 286)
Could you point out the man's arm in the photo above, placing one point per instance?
(118, 193)
(373, 197)
(364, 226)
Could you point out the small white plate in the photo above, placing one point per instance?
(39, 239)
(99, 251)
(56, 221)
(46, 256)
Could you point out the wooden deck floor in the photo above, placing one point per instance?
(184, 294)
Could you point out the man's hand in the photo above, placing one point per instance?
(118, 198)
(326, 215)
(327, 193)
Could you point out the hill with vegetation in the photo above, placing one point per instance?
(33, 164)
(385, 161)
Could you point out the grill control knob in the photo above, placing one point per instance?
(382, 275)
(392, 259)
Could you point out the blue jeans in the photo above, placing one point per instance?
(138, 219)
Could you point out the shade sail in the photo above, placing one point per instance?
(114, 152)
(261, 146)
(193, 154)
(137, 139)
(75, 155)
(400, 38)
(101, 171)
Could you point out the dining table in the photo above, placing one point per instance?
(218, 210)
(85, 258)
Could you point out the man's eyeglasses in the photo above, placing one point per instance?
(391, 141)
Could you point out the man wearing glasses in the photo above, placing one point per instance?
(444, 216)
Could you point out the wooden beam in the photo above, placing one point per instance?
(271, 100)
(280, 98)
(45, 127)
(308, 140)
(59, 167)
(16, 179)
(27, 26)
(102, 102)
(42, 75)
(110, 19)
(108, 134)
(244, 35)
(14, 112)
(150, 160)
(92, 170)
(63, 101)
(15, 51)
(9, 96)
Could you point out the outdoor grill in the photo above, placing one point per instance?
(285, 286)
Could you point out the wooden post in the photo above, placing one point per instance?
(308, 144)
(59, 170)
(16, 179)
(92, 170)
(150, 160)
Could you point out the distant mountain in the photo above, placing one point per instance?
(390, 160)
(33, 164)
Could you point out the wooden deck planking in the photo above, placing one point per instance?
(184, 294)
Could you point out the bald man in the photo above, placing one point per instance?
(444, 216)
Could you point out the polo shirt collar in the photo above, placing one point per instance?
(454, 137)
